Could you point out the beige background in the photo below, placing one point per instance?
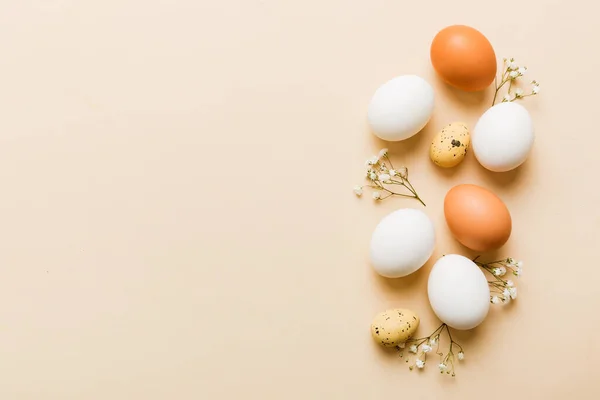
(177, 218)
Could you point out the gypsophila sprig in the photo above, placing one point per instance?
(424, 347)
(502, 290)
(385, 180)
(511, 76)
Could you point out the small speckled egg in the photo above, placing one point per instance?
(450, 145)
(392, 327)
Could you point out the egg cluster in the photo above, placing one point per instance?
(459, 292)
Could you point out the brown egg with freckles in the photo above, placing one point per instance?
(464, 58)
(477, 218)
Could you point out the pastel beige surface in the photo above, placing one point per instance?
(177, 211)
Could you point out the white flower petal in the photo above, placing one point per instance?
(372, 161)
(506, 296)
(384, 177)
(402, 172)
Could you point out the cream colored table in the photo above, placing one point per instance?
(177, 217)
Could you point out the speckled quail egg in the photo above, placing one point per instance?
(395, 326)
(450, 145)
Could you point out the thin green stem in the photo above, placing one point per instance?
(414, 194)
(390, 161)
(498, 89)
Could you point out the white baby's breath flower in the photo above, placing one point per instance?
(507, 98)
(510, 283)
(443, 367)
(517, 272)
(512, 65)
(510, 261)
(499, 271)
(513, 292)
(402, 172)
(372, 161)
(522, 70)
(495, 300)
(420, 363)
(513, 74)
(506, 295)
(519, 92)
(426, 348)
(461, 356)
(413, 348)
(401, 345)
(384, 177)
(433, 341)
(379, 175)
(519, 264)
(535, 89)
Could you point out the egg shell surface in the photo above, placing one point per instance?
(477, 218)
(503, 137)
(392, 327)
(458, 292)
(401, 107)
(449, 146)
(463, 57)
(402, 242)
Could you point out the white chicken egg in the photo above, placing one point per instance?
(503, 137)
(402, 242)
(401, 107)
(458, 292)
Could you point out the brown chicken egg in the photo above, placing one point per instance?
(463, 58)
(477, 217)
